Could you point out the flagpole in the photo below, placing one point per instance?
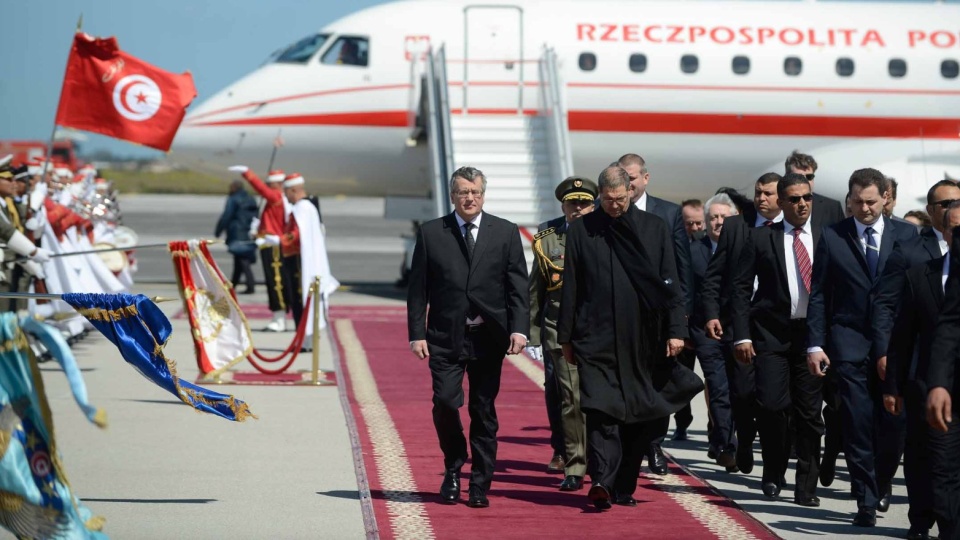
(108, 250)
(53, 135)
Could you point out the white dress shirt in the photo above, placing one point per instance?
(641, 203)
(799, 297)
(945, 274)
(761, 220)
(944, 248)
(877, 233)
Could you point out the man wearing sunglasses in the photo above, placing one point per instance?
(929, 245)
(771, 332)
(826, 211)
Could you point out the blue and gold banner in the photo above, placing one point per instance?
(140, 330)
(35, 497)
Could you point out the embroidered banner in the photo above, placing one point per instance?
(221, 335)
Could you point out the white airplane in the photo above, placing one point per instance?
(710, 93)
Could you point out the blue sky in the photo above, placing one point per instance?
(218, 41)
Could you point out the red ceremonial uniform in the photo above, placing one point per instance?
(290, 240)
(271, 220)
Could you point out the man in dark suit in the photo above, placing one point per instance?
(850, 258)
(771, 332)
(929, 245)
(907, 363)
(943, 401)
(715, 298)
(826, 211)
(469, 270)
(621, 318)
(671, 214)
(716, 357)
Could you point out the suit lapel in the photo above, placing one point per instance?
(483, 238)
(816, 230)
(777, 240)
(450, 222)
(886, 244)
(931, 244)
(935, 280)
(854, 242)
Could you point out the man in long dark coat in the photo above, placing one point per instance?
(621, 317)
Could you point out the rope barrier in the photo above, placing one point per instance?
(295, 346)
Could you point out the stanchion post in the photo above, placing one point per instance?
(315, 342)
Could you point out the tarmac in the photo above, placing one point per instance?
(162, 471)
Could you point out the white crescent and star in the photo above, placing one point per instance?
(137, 97)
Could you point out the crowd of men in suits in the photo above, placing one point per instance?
(816, 333)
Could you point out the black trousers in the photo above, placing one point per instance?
(865, 426)
(615, 450)
(714, 358)
(790, 399)
(916, 458)
(273, 277)
(945, 470)
(833, 429)
(242, 267)
(684, 417)
(743, 400)
(482, 362)
(292, 290)
(551, 395)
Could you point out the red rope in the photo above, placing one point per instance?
(294, 347)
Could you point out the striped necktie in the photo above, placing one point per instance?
(803, 259)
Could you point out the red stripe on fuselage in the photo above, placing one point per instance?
(651, 122)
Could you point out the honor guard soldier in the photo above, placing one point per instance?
(268, 239)
(577, 197)
(17, 245)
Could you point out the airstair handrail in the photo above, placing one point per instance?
(440, 72)
(554, 108)
(435, 139)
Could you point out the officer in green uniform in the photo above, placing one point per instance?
(576, 195)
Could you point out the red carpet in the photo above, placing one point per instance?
(404, 465)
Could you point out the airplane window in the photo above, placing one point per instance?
(587, 61)
(741, 65)
(689, 63)
(949, 69)
(348, 51)
(638, 63)
(844, 67)
(301, 51)
(897, 67)
(792, 66)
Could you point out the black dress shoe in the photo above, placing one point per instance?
(625, 500)
(556, 464)
(733, 469)
(745, 458)
(711, 453)
(884, 503)
(866, 517)
(828, 470)
(727, 459)
(918, 534)
(248, 291)
(478, 499)
(680, 434)
(450, 488)
(804, 500)
(600, 496)
(771, 490)
(657, 462)
(572, 483)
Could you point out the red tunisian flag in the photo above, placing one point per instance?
(105, 90)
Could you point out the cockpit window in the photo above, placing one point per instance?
(301, 51)
(349, 51)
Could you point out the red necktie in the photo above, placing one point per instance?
(768, 223)
(803, 259)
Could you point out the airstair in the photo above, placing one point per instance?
(523, 150)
